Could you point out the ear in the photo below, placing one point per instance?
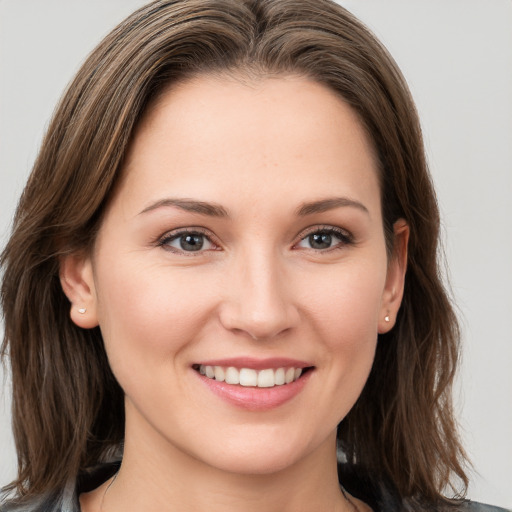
(395, 278)
(77, 281)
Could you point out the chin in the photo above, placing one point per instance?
(250, 464)
(258, 456)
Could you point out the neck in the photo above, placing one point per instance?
(167, 479)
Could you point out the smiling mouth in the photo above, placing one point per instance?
(249, 377)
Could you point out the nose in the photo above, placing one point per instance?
(258, 299)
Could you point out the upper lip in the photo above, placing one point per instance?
(257, 364)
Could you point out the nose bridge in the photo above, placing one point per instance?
(259, 302)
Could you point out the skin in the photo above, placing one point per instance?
(260, 150)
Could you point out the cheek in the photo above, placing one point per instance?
(346, 304)
(147, 318)
(344, 310)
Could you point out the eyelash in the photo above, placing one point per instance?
(345, 237)
(164, 241)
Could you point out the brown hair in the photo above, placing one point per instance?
(67, 406)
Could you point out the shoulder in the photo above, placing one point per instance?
(42, 504)
(473, 506)
(383, 496)
(462, 506)
(66, 500)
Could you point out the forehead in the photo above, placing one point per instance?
(212, 133)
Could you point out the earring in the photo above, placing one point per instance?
(82, 310)
(386, 318)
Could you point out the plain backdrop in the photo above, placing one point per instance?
(457, 58)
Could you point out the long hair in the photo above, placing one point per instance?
(67, 406)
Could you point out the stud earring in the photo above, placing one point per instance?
(82, 310)
(386, 318)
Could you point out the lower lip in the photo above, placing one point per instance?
(254, 398)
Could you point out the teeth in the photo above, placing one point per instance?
(248, 377)
(279, 377)
(232, 376)
(266, 379)
(219, 373)
(289, 375)
(251, 378)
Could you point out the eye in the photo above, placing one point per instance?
(187, 241)
(324, 239)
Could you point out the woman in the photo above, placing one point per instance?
(207, 276)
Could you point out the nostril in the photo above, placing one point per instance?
(259, 315)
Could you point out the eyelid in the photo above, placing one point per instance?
(161, 241)
(173, 234)
(345, 235)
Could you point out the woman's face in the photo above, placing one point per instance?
(246, 234)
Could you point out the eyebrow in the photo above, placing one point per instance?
(329, 204)
(216, 210)
(189, 205)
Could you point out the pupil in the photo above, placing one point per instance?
(320, 240)
(191, 242)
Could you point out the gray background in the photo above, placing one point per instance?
(457, 57)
